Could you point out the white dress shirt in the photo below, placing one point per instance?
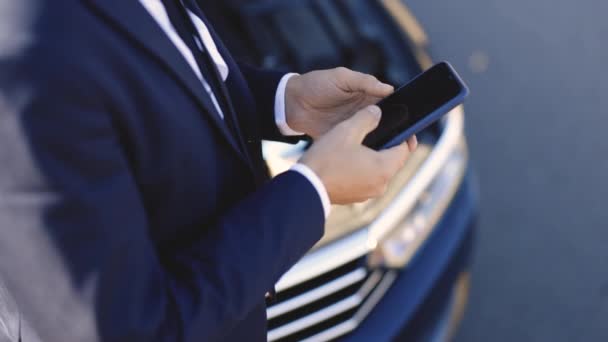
(158, 12)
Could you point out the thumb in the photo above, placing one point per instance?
(355, 81)
(363, 122)
(395, 157)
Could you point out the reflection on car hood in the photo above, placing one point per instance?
(345, 218)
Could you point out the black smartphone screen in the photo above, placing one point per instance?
(412, 102)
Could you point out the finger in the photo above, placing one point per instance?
(412, 143)
(354, 81)
(393, 159)
(363, 122)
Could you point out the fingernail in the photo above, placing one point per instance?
(384, 87)
(413, 143)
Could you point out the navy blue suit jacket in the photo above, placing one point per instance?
(127, 210)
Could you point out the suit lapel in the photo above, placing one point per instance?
(227, 58)
(134, 20)
(246, 128)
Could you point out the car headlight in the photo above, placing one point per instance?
(399, 245)
(397, 234)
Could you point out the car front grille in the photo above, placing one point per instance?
(327, 306)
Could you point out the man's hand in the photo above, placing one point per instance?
(350, 171)
(316, 101)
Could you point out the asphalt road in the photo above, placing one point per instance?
(537, 125)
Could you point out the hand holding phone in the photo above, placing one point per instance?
(349, 171)
(416, 105)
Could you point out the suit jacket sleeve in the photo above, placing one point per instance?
(263, 85)
(75, 249)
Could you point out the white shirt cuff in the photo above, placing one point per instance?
(279, 108)
(316, 182)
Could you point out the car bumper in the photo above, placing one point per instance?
(427, 298)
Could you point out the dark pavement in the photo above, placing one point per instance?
(537, 124)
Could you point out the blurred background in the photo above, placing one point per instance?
(536, 124)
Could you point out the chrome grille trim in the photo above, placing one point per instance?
(325, 259)
(319, 292)
(333, 332)
(350, 325)
(327, 312)
(374, 298)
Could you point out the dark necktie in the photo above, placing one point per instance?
(181, 21)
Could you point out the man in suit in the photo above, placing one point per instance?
(134, 203)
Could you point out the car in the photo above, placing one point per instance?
(392, 268)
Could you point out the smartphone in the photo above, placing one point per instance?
(416, 105)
